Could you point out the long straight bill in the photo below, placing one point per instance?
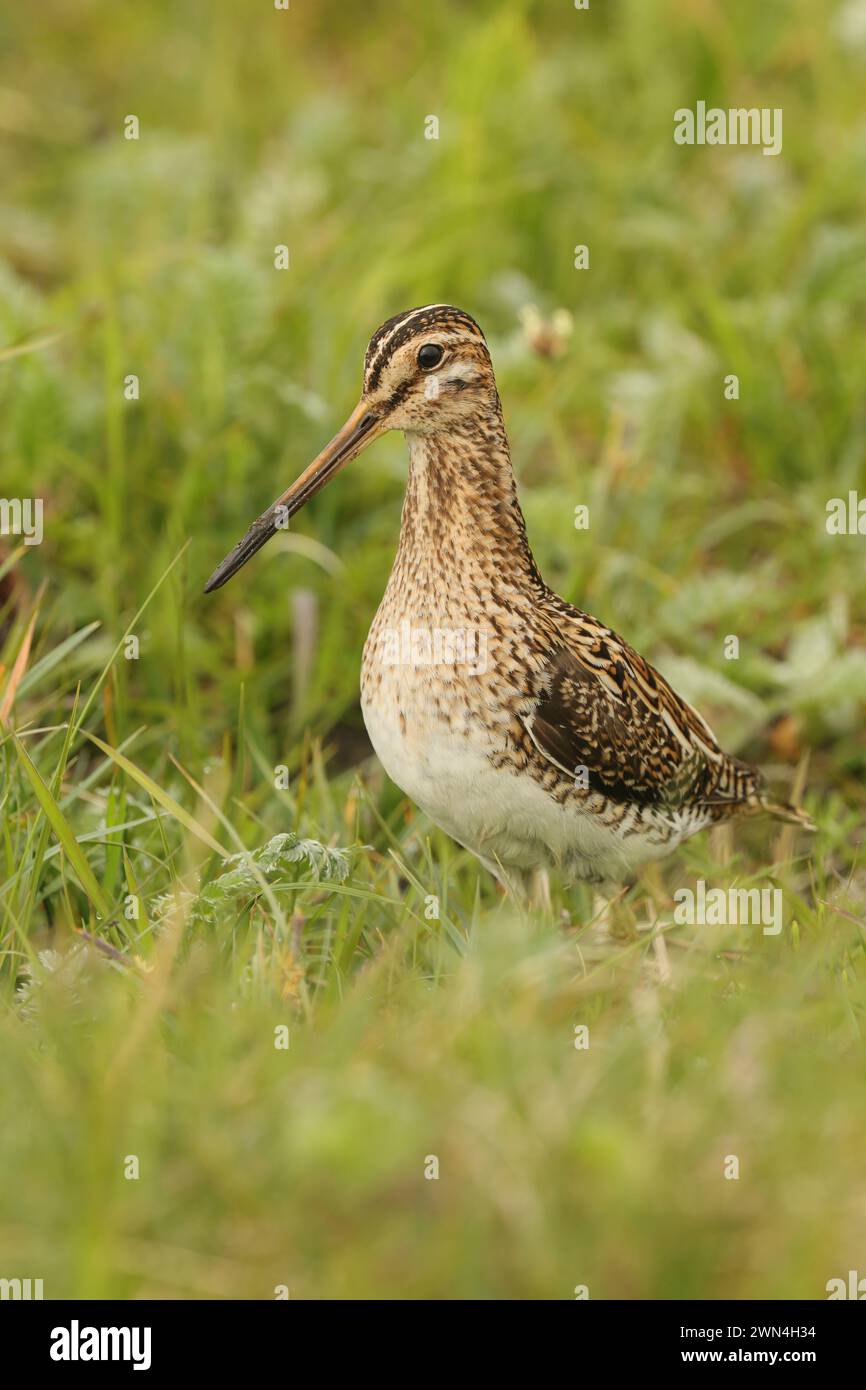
(359, 430)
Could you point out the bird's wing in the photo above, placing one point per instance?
(604, 709)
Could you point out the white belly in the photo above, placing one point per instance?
(505, 818)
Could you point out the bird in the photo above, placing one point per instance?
(529, 731)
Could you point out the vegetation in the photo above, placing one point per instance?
(213, 777)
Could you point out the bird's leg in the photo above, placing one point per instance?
(539, 891)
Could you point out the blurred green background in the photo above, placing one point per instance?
(411, 1036)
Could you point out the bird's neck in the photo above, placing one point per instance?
(461, 516)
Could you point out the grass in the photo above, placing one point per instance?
(127, 780)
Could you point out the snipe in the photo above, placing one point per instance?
(528, 730)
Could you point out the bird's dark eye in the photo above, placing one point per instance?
(429, 356)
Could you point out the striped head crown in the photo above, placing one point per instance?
(428, 369)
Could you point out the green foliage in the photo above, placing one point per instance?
(142, 973)
(234, 893)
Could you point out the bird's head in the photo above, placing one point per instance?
(426, 371)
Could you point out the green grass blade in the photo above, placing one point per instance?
(162, 797)
(42, 668)
(63, 831)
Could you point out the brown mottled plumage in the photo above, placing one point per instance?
(524, 727)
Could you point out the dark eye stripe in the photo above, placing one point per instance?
(387, 339)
